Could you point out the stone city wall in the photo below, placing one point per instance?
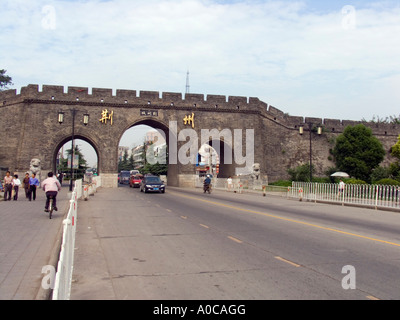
(30, 120)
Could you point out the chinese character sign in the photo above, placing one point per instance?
(106, 116)
(189, 120)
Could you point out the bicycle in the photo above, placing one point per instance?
(207, 188)
(51, 207)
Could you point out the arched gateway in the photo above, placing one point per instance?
(246, 131)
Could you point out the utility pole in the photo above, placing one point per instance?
(187, 83)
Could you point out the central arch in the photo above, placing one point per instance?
(173, 169)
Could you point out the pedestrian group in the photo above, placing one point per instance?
(12, 185)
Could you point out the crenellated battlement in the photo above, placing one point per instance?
(329, 125)
(60, 93)
(176, 100)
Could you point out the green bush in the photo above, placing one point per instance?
(388, 182)
(321, 180)
(380, 173)
(282, 183)
(354, 181)
(301, 173)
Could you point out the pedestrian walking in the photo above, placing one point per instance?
(341, 188)
(16, 184)
(33, 184)
(26, 185)
(8, 185)
(229, 181)
(60, 176)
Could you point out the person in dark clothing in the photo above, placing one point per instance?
(8, 186)
(26, 185)
(33, 184)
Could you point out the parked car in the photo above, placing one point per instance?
(135, 180)
(124, 177)
(152, 183)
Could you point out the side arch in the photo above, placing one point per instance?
(66, 139)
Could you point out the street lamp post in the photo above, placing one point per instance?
(310, 128)
(72, 148)
(85, 122)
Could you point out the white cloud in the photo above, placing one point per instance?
(300, 61)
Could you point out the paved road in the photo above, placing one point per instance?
(186, 245)
(28, 241)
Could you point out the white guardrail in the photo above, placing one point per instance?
(376, 196)
(239, 186)
(365, 195)
(63, 278)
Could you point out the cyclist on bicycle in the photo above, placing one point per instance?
(207, 184)
(51, 186)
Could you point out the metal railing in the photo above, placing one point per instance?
(376, 196)
(62, 287)
(63, 280)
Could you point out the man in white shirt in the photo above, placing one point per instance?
(16, 184)
(51, 186)
(230, 183)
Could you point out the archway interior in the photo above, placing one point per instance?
(145, 144)
(215, 157)
(136, 136)
(86, 159)
(207, 161)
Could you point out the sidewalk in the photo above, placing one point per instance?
(29, 240)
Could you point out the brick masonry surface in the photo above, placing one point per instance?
(31, 130)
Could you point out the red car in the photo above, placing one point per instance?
(134, 181)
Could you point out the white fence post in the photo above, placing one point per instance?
(62, 288)
(367, 195)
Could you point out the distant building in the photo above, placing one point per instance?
(153, 136)
(121, 152)
(137, 153)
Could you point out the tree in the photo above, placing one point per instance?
(394, 168)
(4, 80)
(380, 173)
(396, 149)
(156, 169)
(391, 119)
(82, 166)
(301, 173)
(126, 163)
(358, 152)
(123, 164)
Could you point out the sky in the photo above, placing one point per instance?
(328, 59)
